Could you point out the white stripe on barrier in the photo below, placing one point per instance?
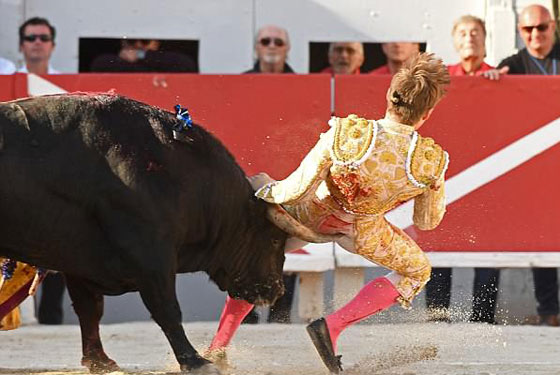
(39, 86)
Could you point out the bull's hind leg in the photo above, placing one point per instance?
(89, 308)
(158, 293)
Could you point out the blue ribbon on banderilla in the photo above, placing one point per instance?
(185, 123)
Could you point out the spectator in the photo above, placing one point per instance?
(142, 55)
(469, 35)
(345, 58)
(272, 45)
(271, 50)
(541, 56)
(397, 54)
(36, 43)
(6, 66)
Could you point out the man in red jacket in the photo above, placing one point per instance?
(469, 34)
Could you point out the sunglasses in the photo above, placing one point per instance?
(33, 37)
(541, 28)
(277, 42)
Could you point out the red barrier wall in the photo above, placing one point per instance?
(270, 122)
(7, 88)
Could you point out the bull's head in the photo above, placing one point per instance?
(259, 278)
(255, 274)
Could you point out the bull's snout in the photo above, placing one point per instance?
(262, 294)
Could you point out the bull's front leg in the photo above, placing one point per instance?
(89, 308)
(159, 296)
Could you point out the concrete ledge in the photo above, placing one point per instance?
(325, 257)
(506, 259)
(319, 258)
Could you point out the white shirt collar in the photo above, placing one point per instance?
(51, 70)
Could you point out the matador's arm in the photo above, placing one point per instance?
(306, 178)
(429, 163)
(429, 207)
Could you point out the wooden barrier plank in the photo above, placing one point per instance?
(466, 259)
(311, 302)
(347, 283)
(317, 258)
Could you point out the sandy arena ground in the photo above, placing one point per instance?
(274, 349)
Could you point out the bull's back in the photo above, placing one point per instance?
(62, 158)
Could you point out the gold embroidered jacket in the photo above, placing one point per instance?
(369, 168)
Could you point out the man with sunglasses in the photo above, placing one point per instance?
(541, 56)
(271, 50)
(272, 45)
(36, 43)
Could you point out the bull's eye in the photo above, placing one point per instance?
(275, 242)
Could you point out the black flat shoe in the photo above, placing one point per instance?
(319, 333)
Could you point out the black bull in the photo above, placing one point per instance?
(96, 187)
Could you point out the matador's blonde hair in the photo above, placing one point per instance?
(417, 87)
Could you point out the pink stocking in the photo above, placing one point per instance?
(375, 296)
(235, 310)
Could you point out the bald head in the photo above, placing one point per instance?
(534, 9)
(537, 28)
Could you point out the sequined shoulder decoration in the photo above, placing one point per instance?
(354, 140)
(426, 161)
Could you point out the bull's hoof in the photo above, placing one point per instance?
(98, 366)
(219, 358)
(207, 369)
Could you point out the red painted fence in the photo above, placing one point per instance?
(270, 122)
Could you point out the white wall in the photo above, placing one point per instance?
(11, 16)
(226, 28)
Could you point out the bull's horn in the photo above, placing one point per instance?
(283, 220)
(35, 284)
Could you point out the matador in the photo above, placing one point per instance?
(359, 170)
